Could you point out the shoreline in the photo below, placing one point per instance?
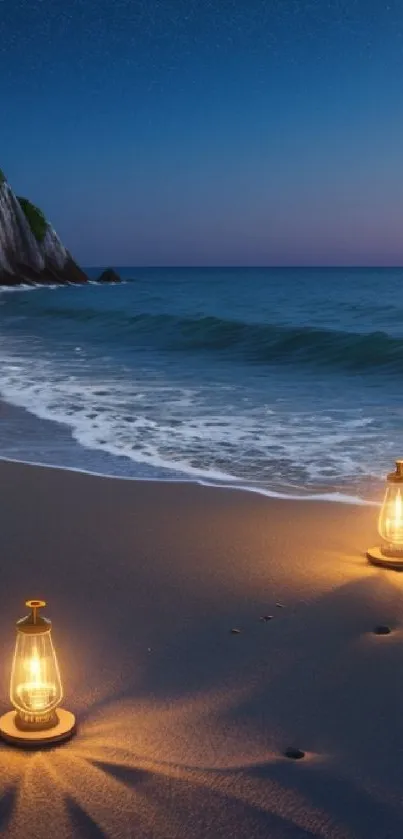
(330, 498)
(51, 436)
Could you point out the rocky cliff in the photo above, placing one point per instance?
(30, 249)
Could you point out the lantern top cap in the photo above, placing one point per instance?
(34, 624)
(396, 477)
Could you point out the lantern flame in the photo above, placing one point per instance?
(391, 517)
(394, 525)
(35, 687)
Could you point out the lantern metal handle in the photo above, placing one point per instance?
(35, 605)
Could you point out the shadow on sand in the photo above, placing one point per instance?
(123, 776)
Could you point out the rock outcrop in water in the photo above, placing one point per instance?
(30, 249)
(109, 276)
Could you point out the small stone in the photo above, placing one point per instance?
(235, 631)
(382, 629)
(266, 618)
(294, 754)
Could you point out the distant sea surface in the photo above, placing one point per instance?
(286, 381)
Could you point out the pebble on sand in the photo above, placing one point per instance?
(382, 629)
(294, 754)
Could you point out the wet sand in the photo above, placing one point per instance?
(183, 724)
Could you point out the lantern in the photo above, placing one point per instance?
(390, 523)
(35, 686)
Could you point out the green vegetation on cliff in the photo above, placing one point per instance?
(35, 218)
(2, 177)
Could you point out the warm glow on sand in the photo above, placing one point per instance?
(106, 780)
(183, 726)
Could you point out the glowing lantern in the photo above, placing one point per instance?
(35, 686)
(390, 524)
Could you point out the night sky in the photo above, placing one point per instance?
(208, 132)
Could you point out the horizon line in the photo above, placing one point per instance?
(252, 267)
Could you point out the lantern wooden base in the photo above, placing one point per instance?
(64, 729)
(376, 556)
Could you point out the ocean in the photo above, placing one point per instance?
(283, 381)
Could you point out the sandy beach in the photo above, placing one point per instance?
(183, 724)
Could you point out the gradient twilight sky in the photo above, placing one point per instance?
(208, 132)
